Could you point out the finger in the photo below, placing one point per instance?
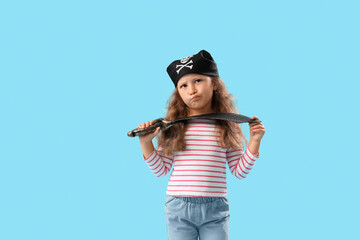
(257, 131)
(147, 123)
(152, 122)
(157, 131)
(256, 128)
(255, 124)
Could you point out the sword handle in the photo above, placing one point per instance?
(254, 121)
(143, 131)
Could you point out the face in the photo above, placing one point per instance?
(196, 91)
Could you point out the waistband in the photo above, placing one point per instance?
(198, 199)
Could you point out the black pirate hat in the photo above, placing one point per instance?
(201, 63)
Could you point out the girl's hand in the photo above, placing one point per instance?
(148, 137)
(257, 130)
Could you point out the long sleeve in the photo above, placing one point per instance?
(158, 163)
(240, 163)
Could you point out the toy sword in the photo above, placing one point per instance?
(164, 124)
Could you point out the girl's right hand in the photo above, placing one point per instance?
(148, 137)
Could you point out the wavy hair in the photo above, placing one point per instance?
(222, 101)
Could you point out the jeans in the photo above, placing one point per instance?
(188, 218)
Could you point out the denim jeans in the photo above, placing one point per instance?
(188, 218)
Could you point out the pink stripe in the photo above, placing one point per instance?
(162, 173)
(195, 181)
(166, 170)
(204, 140)
(203, 131)
(232, 168)
(241, 168)
(237, 159)
(193, 135)
(248, 162)
(200, 160)
(249, 156)
(210, 176)
(202, 145)
(193, 195)
(160, 170)
(233, 151)
(201, 155)
(147, 159)
(190, 127)
(165, 157)
(157, 168)
(195, 186)
(154, 162)
(176, 170)
(188, 195)
(206, 150)
(236, 155)
(239, 172)
(242, 161)
(192, 191)
(197, 165)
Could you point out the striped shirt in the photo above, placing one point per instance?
(200, 170)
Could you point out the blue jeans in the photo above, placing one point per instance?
(188, 218)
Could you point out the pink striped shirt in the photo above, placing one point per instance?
(200, 170)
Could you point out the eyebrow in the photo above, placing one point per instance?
(191, 79)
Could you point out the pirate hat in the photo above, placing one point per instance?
(201, 63)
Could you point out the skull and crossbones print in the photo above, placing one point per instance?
(186, 63)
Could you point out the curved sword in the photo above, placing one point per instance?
(164, 124)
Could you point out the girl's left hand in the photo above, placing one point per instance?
(257, 130)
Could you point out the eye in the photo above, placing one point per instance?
(198, 80)
(184, 85)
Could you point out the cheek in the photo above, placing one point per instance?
(210, 94)
(182, 98)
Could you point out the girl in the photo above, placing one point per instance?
(196, 204)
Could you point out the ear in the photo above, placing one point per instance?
(213, 85)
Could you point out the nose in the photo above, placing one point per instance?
(192, 89)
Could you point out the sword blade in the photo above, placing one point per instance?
(163, 124)
(233, 117)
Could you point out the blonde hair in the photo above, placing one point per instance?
(222, 101)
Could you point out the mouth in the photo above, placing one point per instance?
(195, 98)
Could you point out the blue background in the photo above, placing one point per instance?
(76, 76)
